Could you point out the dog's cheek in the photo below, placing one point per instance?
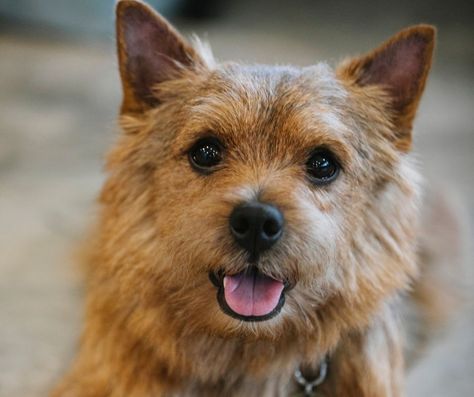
(191, 220)
(315, 235)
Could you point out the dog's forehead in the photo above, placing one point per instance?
(241, 98)
(319, 79)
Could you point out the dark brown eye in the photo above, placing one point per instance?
(322, 167)
(205, 154)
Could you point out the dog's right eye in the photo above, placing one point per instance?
(322, 167)
(205, 154)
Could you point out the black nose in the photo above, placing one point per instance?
(256, 227)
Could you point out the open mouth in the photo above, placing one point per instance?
(249, 295)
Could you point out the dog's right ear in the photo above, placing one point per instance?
(400, 66)
(150, 51)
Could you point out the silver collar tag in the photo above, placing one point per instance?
(309, 385)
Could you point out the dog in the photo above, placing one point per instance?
(259, 228)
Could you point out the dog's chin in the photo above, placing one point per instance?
(250, 295)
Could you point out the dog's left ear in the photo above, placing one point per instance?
(400, 66)
(150, 51)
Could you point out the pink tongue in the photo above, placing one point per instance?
(252, 294)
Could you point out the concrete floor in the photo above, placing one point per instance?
(58, 103)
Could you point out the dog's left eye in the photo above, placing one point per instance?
(205, 154)
(322, 167)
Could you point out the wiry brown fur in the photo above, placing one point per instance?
(153, 326)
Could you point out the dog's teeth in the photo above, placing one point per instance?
(225, 282)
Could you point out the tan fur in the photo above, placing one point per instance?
(153, 326)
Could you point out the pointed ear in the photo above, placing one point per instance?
(400, 66)
(150, 51)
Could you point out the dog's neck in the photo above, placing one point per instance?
(205, 365)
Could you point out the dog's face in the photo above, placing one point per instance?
(263, 201)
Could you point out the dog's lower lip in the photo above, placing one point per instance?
(217, 278)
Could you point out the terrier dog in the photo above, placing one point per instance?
(259, 224)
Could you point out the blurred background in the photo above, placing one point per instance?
(59, 96)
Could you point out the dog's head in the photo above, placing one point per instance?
(261, 201)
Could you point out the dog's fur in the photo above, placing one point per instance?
(153, 325)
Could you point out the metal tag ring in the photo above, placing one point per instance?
(308, 385)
